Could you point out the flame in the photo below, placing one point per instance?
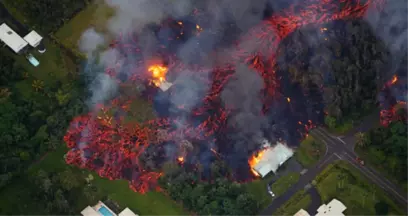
(288, 99)
(323, 29)
(394, 79)
(180, 159)
(254, 160)
(158, 73)
(180, 23)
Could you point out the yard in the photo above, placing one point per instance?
(151, 203)
(310, 151)
(95, 15)
(300, 200)
(259, 187)
(345, 183)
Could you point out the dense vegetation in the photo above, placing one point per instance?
(220, 196)
(344, 59)
(386, 148)
(33, 118)
(53, 14)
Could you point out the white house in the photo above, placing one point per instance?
(34, 39)
(334, 208)
(164, 85)
(100, 209)
(12, 39)
(272, 158)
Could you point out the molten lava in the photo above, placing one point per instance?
(114, 148)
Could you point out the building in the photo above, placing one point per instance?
(302, 212)
(100, 209)
(334, 208)
(12, 39)
(164, 85)
(272, 158)
(34, 39)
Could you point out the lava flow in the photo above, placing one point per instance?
(115, 148)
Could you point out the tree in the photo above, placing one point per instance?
(361, 139)
(38, 85)
(68, 180)
(381, 208)
(330, 121)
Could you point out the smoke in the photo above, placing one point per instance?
(242, 94)
(90, 41)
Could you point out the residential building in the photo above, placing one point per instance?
(334, 208)
(100, 209)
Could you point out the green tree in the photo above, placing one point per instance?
(330, 121)
(68, 180)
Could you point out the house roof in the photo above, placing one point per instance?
(334, 208)
(89, 211)
(33, 38)
(127, 212)
(272, 158)
(302, 212)
(11, 38)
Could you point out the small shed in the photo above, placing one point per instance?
(12, 39)
(33, 38)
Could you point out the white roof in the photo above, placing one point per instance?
(164, 86)
(334, 208)
(272, 158)
(11, 38)
(302, 212)
(89, 211)
(33, 38)
(127, 212)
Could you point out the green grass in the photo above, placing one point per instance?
(258, 188)
(281, 185)
(370, 159)
(310, 151)
(355, 191)
(342, 128)
(95, 15)
(300, 200)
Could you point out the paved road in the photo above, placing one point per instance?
(336, 149)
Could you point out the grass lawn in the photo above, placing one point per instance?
(345, 183)
(342, 128)
(95, 15)
(310, 151)
(281, 185)
(300, 200)
(370, 158)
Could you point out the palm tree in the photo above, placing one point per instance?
(38, 85)
(4, 94)
(361, 139)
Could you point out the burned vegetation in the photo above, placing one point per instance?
(343, 61)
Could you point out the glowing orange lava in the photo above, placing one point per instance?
(159, 74)
(180, 159)
(254, 160)
(394, 79)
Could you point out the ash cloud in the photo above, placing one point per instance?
(242, 94)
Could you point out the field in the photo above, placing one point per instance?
(345, 183)
(95, 15)
(281, 185)
(310, 151)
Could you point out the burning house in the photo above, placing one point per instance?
(270, 158)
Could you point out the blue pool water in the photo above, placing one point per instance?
(104, 211)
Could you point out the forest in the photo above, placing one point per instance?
(48, 15)
(386, 148)
(343, 58)
(33, 116)
(217, 196)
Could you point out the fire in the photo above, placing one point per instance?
(254, 160)
(159, 74)
(394, 79)
(119, 144)
(180, 159)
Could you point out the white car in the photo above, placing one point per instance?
(270, 191)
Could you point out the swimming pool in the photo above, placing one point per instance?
(104, 211)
